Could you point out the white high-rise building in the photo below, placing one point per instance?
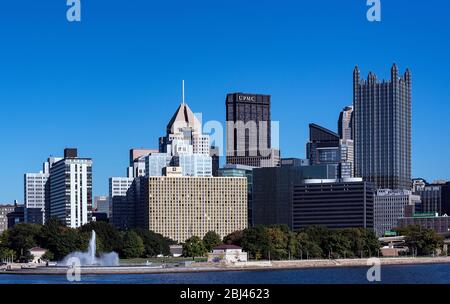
(36, 187)
(118, 186)
(71, 189)
(389, 206)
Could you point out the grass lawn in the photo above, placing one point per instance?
(169, 260)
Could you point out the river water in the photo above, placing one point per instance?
(390, 274)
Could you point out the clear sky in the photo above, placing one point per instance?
(112, 81)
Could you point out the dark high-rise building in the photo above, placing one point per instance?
(333, 204)
(241, 171)
(249, 131)
(326, 147)
(323, 146)
(272, 190)
(435, 198)
(382, 129)
(214, 152)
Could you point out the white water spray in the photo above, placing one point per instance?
(89, 259)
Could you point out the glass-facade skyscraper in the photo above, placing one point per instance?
(382, 129)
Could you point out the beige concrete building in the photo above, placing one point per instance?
(179, 207)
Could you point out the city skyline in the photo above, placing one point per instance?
(116, 115)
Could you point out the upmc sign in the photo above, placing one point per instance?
(247, 98)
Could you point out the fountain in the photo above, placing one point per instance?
(89, 259)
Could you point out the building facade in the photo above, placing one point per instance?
(440, 224)
(120, 212)
(249, 139)
(179, 207)
(326, 147)
(345, 123)
(71, 189)
(36, 192)
(435, 197)
(4, 211)
(272, 190)
(241, 171)
(382, 129)
(390, 206)
(335, 204)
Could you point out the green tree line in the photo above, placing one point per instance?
(60, 240)
(276, 242)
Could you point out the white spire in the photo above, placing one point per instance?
(183, 90)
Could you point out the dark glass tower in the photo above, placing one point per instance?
(249, 131)
(382, 129)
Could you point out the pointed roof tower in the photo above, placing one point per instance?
(183, 118)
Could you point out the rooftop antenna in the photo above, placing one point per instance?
(183, 90)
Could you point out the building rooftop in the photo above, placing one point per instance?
(226, 247)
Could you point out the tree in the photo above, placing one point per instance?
(307, 248)
(108, 235)
(133, 246)
(421, 241)
(154, 243)
(21, 238)
(6, 254)
(61, 240)
(48, 256)
(211, 240)
(194, 247)
(234, 238)
(256, 240)
(278, 243)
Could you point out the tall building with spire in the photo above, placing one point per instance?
(382, 129)
(184, 145)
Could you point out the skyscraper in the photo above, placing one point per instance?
(249, 139)
(71, 189)
(326, 147)
(345, 123)
(184, 145)
(36, 189)
(382, 129)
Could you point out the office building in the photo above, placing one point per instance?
(272, 189)
(102, 205)
(179, 207)
(435, 197)
(118, 190)
(71, 189)
(4, 211)
(214, 152)
(390, 205)
(249, 139)
(335, 204)
(34, 215)
(36, 190)
(382, 129)
(345, 123)
(17, 216)
(440, 224)
(183, 146)
(137, 166)
(326, 147)
(241, 171)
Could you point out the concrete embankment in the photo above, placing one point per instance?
(211, 267)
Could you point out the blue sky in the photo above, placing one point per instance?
(112, 81)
